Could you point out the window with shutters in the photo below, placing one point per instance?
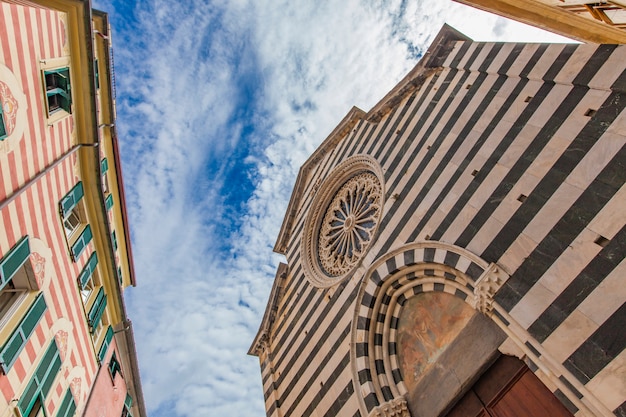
(58, 90)
(104, 170)
(19, 297)
(17, 278)
(104, 348)
(31, 400)
(77, 232)
(94, 299)
(72, 223)
(128, 403)
(88, 278)
(38, 409)
(96, 317)
(100, 328)
(114, 366)
(68, 406)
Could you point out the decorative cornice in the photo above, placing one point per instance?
(486, 286)
(393, 408)
(548, 16)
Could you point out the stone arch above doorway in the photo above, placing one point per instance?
(435, 267)
(420, 269)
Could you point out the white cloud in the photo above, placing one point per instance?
(191, 76)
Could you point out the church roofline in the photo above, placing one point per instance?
(431, 61)
(265, 327)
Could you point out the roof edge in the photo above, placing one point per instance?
(432, 60)
(271, 309)
(352, 118)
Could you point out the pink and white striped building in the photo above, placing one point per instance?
(66, 344)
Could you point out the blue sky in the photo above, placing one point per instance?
(219, 103)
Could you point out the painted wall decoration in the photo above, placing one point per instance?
(428, 323)
(14, 106)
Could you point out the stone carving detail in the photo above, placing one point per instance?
(487, 285)
(394, 408)
(263, 343)
(349, 224)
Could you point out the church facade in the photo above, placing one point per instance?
(459, 249)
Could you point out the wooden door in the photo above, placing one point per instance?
(509, 389)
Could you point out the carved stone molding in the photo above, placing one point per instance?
(262, 344)
(394, 408)
(349, 224)
(486, 286)
(342, 221)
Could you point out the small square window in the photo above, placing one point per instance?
(58, 90)
(102, 324)
(86, 291)
(114, 366)
(18, 298)
(72, 222)
(16, 284)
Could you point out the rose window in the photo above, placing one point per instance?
(349, 224)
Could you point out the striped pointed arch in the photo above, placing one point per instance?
(390, 281)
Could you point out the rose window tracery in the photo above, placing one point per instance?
(349, 224)
(341, 225)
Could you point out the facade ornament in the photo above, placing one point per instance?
(486, 287)
(342, 221)
(349, 224)
(263, 343)
(393, 408)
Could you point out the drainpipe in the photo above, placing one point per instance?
(37, 177)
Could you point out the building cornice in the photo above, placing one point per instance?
(553, 19)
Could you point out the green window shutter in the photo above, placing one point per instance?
(58, 84)
(109, 201)
(104, 166)
(114, 238)
(128, 402)
(114, 366)
(68, 406)
(71, 199)
(81, 243)
(12, 348)
(47, 373)
(96, 71)
(13, 261)
(108, 337)
(3, 129)
(97, 309)
(28, 398)
(87, 272)
(41, 383)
